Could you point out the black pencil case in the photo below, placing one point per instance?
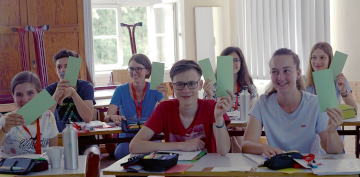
(132, 125)
(153, 165)
(27, 164)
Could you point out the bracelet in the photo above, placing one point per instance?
(221, 126)
(2, 128)
(346, 94)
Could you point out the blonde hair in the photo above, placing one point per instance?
(299, 82)
(324, 46)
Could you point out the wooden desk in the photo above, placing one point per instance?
(80, 172)
(204, 166)
(7, 107)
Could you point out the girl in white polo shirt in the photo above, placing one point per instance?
(290, 116)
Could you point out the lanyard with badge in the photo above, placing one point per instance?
(37, 145)
(138, 108)
(237, 96)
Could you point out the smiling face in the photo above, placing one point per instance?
(61, 65)
(23, 93)
(319, 60)
(236, 62)
(186, 96)
(284, 73)
(138, 76)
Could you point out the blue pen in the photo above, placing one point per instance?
(63, 75)
(83, 127)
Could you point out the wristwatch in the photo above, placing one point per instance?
(346, 94)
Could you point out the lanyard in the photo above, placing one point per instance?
(138, 108)
(38, 144)
(237, 96)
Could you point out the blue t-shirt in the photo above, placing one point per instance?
(68, 109)
(122, 99)
(295, 131)
(338, 93)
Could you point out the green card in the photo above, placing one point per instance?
(157, 75)
(225, 75)
(338, 63)
(72, 70)
(207, 70)
(325, 89)
(36, 106)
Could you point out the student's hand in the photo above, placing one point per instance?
(270, 151)
(335, 119)
(208, 89)
(162, 88)
(60, 89)
(69, 92)
(224, 104)
(195, 144)
(115, 118)
(341, 82)
(13, 120)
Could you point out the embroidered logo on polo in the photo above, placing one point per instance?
(303, 126)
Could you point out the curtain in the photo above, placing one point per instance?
(89, 43)
(265, 26)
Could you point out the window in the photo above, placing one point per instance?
(156, 38)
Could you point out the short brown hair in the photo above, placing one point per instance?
(24, 77)
(65, 53)
(144, 60)
(324, 46)
(184, 65)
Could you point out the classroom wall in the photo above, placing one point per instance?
(346, 34)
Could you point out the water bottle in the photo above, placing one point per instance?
(70, 144)
(244, 104)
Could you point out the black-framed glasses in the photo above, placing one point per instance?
(190, 85)
(138, 69)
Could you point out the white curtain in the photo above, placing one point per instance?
(89, 43)
(265, 26)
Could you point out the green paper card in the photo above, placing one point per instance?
(36, 106)
(72, 70)
(325, 90)
(225, 75)
(157, 75)
(338, 63)
(207, 70)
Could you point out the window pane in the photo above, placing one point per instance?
(159, 14)
(104, 21)
(130, 16)
(105, 51)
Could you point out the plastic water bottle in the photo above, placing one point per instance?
(244, 104)
(70, 144)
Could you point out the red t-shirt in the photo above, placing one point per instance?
(166, 119)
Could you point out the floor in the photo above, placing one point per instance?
(349, 149)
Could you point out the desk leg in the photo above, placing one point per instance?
(357, 142)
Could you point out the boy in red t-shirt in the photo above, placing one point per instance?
(188, 123)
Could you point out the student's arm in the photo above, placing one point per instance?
(251, 142)
(11, 120)
(111, 115)
(330, 137)
(163, 89)
(59, 92)
(341, 82)
(84, 108)
(53, 141)
(141, 143)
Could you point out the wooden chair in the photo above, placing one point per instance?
(119, 76)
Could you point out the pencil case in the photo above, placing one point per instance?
(133, 124)
(347, 110)
(152, 162)
(281, 161)
(27, 164)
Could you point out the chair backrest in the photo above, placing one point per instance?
(120, 76)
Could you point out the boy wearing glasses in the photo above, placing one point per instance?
(188, 123)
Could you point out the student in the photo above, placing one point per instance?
(125, 95)
(75, 103)
(320, 58)
(188, 123)
(241, 78)
(17, 139)
(290, 116)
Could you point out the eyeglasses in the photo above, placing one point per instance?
(138, 69)
(190, 85)
(236, 60)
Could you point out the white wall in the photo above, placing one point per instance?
(346, 34)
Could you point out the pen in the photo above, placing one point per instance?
(83, 127)
(11, 168)
(63, 75)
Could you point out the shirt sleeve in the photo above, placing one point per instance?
(159, 96)
(156, 119)
(256, 110)
(348, 86)
(51, 88)
(116, 98)
(88, 92)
